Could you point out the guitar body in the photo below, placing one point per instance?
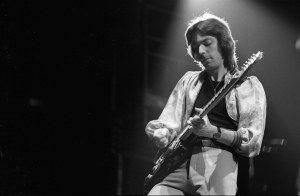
(170, 158)
(178, 151)
(164, 168)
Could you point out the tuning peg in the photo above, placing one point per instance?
(155, 168)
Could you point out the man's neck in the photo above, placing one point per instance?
(217, 74)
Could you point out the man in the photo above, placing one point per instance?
(231, 130)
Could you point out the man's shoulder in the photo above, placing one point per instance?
(252, 81)
(191, 77)
(251, 84)
(192, 74)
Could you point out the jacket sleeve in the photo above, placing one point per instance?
(251, 104)
(173, 112)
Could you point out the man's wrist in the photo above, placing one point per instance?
(217, 135)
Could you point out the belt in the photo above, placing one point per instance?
(212, 143)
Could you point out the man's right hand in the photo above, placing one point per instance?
(161, 137)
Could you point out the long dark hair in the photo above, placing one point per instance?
(209, 24)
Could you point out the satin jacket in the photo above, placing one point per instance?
(246, 104)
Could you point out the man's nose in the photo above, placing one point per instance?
(201, 49)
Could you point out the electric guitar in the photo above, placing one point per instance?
(178, 150)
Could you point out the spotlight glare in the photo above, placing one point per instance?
(297, 45)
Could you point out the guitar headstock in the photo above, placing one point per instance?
(252, 60)
(249, 64)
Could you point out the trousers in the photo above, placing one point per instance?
(210, 171)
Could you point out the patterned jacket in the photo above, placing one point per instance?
(246, 104)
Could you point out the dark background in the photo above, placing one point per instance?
(80, 80)
(69, 76)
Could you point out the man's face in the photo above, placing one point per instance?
(205, 49)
